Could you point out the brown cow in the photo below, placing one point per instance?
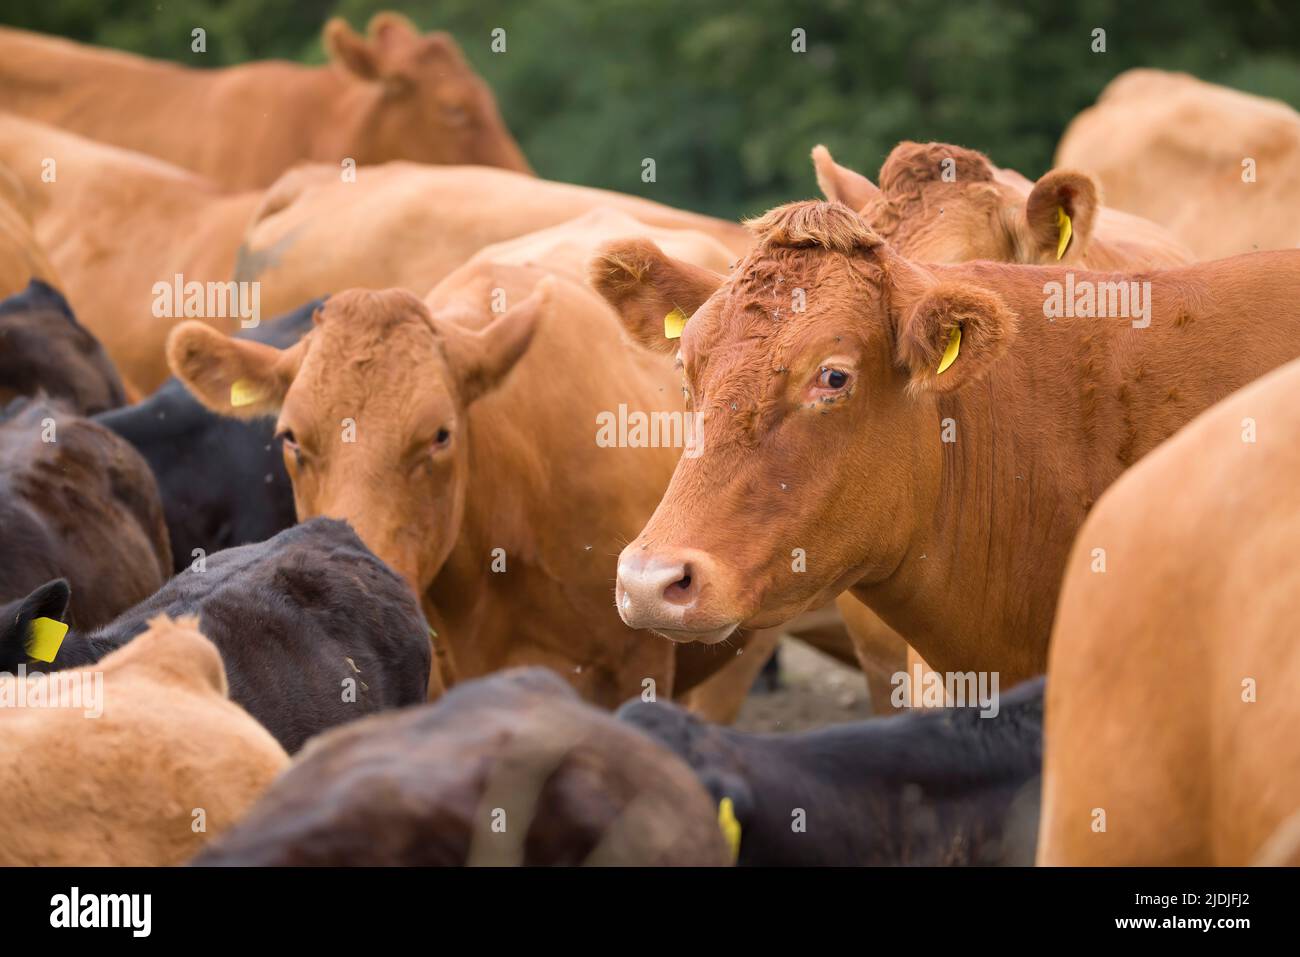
(1171, 710)
(392, 95)
(947, 204)
(508, 770)
(407, 227)
(947, 500)
(500, 498)
(1214, 165)
(120, 763)
(77, 502)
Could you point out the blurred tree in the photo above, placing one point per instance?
(714, 92)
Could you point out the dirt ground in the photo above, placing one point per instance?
(816, 690)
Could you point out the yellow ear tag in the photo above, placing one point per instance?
(1067, 230)
(730, 826)
(242, 393)
(46, 638)
(674, 323)
(950, 353)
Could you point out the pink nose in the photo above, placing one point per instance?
(660, 590)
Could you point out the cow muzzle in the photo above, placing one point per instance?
(673, 592)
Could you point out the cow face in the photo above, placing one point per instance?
(944, 204)
(815, 369)
(426, 103)
(372, 409)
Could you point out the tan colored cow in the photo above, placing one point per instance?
(407, 226)
(946, 500)
(115, 223)
(501, 496)
(942, 203)
(393, 94)
(1171, 705)
(168, 749)
(1214, 165)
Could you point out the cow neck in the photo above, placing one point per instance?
(978, 583)
(80, 649)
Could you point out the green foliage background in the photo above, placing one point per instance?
(713, 91)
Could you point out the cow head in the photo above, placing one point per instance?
(426, 103)
(945, 204)
(44, 349)
(815, 368)
(372, 408)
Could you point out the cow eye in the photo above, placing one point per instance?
(441, 440)
(834, 379)
(291, 445)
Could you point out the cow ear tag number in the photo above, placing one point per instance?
(242, 393)
(950, 353)
(674, 323)
(46, 638)
(730, 826)
(1067, 230)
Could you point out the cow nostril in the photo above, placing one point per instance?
(680, 591)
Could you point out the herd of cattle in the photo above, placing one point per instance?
(344, 585)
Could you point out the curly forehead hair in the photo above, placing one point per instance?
(801, 245)
(830, 225)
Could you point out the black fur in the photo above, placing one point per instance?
(942, 786)
(287, 615)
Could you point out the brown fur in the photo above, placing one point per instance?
(1147, 717)
(959, 546)
(424, 786)
(407, 226)
(21, 257)
(985, 213)
(115, 223)
(392, 95)
(83, 507)
(519, 395)
(1179, 160)
(169, 742)
(989, 213)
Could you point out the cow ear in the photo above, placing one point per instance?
(841, 184)
(390, 30)
(645, 286)
(481, 360)
(350, 50)
(48, 601)
(1061, 210)
(953, 335)
(235, 377)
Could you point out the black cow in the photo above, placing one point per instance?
(77, 502)
(223, 481)
(313, 628)
(45, 351)
(941, 786)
